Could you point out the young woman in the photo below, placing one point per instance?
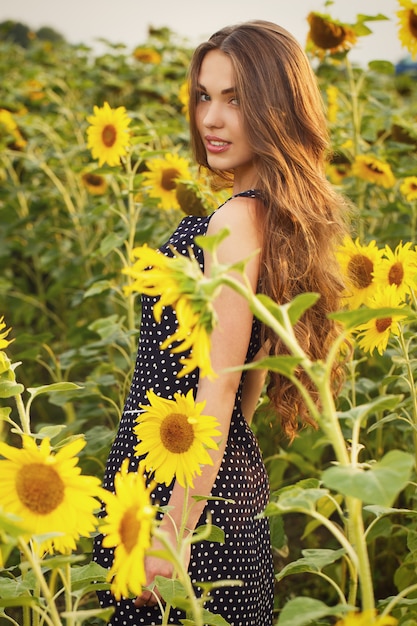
(257, 123)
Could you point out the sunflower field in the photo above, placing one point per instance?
(95, 173)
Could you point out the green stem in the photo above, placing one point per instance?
(23, 414)
(410, 377)
(46, 592)
(354, 95)
(68, 599)
(183, 577)
(336, 532)
(356, 534)
(334, 585)
(402, 594)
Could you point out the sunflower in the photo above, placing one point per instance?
(9, 126)
(327, 35)
(127, 528)
(108, 136)
(162, 177)
(398, 268)
(373, 170)
(337, 172)
(94, 183)
(178, 282)
(3, 341)
(190, 200)
(174, 436)
(409, 188)
(147, 55)
(358, 263)
(191, 335)
(153, 274)
(376, 332)
(47, 491)
(407, 24)
(35, 90)
(365, 619)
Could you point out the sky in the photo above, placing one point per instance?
(127, 21)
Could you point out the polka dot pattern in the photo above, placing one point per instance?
(245, 554)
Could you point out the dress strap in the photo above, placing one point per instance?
(249, 193)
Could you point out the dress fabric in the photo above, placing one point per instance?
(245, 554)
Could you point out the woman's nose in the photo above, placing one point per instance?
(213, 117)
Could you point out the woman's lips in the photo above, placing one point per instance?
(216, 145)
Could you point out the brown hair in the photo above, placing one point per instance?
(302, 215)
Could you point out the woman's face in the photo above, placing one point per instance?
(220, 121)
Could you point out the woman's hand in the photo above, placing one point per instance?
(155, 566)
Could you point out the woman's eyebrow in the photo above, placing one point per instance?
(223, 91)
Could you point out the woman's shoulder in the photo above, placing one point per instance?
(239, 216)
(238, 210)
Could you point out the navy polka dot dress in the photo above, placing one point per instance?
(245, 554)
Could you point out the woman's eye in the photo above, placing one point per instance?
(204, 97)
(235, 101)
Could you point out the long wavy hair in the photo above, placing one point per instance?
(302, 217)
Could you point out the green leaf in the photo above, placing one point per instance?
(278, 536)
(351, 319)
(285, 364)
(111, 242)
(216, 534)
(302, 611)
(97, 288)
(271, 307)
(382, 67)
(378, 485)
(299, 305)
(211, 242)
(170, 589)
(379, 511)
(313, 561)
(9, 389)
(294, 309)
(210, 619)
(295, 499)
(86, 574)
(363, 411)
(63, 386)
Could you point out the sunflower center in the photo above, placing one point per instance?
(383, 324)
(360, 270)
(177, 434)
(40, 488)
(94, 180)
(129, 529)
(109, 135)
(168, 178)
(396, 274)
(412, 23)
(374, 168)
(327, 35)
